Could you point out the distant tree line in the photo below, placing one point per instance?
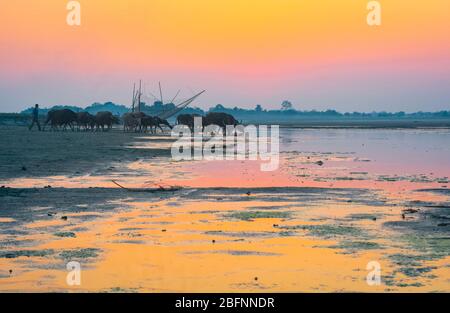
(285, 112)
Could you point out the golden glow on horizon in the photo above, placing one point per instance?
(231, 35)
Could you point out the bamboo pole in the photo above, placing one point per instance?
(175, 96)
(134, 97)
(139, 96)
(160, 93)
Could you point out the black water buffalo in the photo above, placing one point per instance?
(85, 120)
(105, 119)
(159, 121)
(153, 122)
(187, 119)
(64, 118)
(220, 119)
(146, 122)
(133, 121)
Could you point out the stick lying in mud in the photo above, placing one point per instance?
(161, 188)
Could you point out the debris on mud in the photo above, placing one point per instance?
(160, 188)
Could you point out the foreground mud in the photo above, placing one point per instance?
(296, 239)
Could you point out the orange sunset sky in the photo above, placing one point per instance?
(319, 54)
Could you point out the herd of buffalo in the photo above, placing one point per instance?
(135, 121)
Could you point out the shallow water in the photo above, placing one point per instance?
(304, 227)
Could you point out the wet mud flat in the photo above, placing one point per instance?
(308, 227)
(34, 154)
(221, 239)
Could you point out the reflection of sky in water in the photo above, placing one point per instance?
(390, 151)
(362, 158)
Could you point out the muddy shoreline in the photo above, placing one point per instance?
(37, 154)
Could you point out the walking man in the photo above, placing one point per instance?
(35, 117)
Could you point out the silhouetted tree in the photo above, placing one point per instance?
(286, 105)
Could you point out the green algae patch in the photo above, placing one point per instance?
(410, 267)
(430, 247)
(415, 271)
(406, 259)
(251, 215)
(286, 233)
(65, 234)
(243, 234)
(327, 231)
(26, 253)
(80, 253)
(354, 246)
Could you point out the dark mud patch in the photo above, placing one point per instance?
(128, 234)
(46, 204)
(443, 191)
(10, 192)
(130, 229)
(348, 178)
(17, 242)
(363, 216)
(79, 229)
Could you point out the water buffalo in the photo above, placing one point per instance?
(105, 119)
(159, 121)
(85, 120)
(153, 122)
(64, 118)
(133, 121)
(146, 122)
(187, 119)
(220, 119)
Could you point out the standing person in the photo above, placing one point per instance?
(35, 116)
